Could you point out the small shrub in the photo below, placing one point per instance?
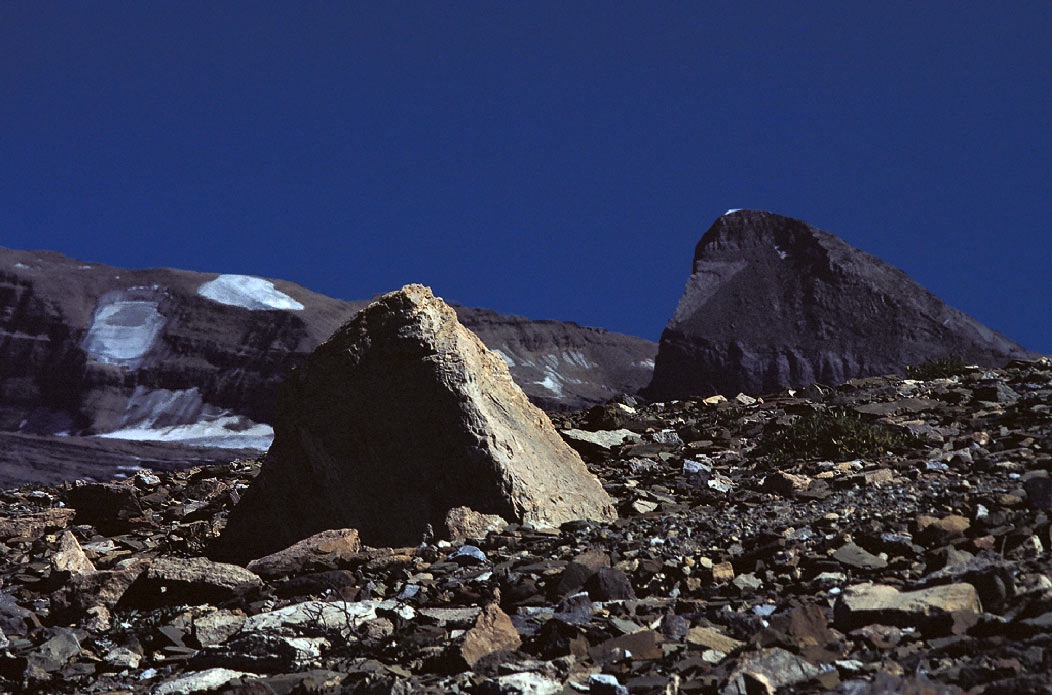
(938, 368)
(835, 435)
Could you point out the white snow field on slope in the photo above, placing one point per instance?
(123, 329)
(182, 415)
(226, 432)
(247, 292)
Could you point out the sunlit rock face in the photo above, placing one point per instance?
(773, 302)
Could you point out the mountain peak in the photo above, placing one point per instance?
(774, 302)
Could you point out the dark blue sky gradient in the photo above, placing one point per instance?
(551, 159)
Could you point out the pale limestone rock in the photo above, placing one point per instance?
(70, 556)
(767, 670)
(949, 608)
(217, 626)
(464, 522)
(200, 681)
(605, 440)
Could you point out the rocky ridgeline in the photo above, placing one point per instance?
(888, 535)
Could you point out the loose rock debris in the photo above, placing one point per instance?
(921, 569)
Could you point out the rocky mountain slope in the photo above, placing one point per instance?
(773, 302)
(196, 358)
(888, 535)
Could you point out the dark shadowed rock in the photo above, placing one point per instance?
(403, 415)
(110, 507)
(773, 302)
(194, 580)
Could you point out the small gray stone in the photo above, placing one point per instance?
(605, 684)
(468, 555)
(854, 556)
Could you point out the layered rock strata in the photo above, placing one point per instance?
(196, 359)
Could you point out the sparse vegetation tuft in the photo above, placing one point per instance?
(835, 434)
(938, 368)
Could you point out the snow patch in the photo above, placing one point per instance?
(732, 211)
(227, 432)
(645, 364)
(551, 382)
(578, 358)
(124, 328)
(156, 408)
(182, 415)
(506, 357)
(781, 254)
(247, 292)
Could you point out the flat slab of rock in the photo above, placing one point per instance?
(323, 549)
(603, 440)
(950, 608)
(401, 416)
(200, 681)
(194, 580)
(712, 639)
(319, 615)
(33, 526)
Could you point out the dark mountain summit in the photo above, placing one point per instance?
(773, 302)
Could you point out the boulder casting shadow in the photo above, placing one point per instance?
(401, 416)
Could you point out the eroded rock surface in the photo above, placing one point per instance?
(773, 302)
(401, 416)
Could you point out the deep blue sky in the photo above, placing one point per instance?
(552, 159)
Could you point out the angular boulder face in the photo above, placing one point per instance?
(401, 416)
(773, 302)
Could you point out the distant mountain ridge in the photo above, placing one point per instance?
(774, 302)
(196, 358)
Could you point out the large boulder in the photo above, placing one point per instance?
(773, 302)
(401, 416)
